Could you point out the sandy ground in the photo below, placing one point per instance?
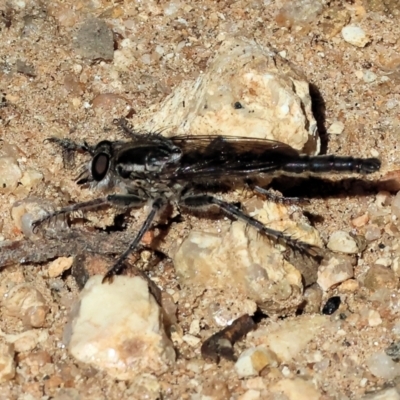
(52, 84)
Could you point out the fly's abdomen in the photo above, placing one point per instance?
(331, 164)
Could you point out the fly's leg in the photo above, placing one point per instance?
(70, 145)
(127, 200)
(69, 148)
(118, 267)
(274, 198)
(205, 201)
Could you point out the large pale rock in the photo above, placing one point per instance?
(245, 264)
(118, 328)
(247, 90)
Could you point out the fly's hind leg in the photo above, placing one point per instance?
(203, 201)
(276, 198)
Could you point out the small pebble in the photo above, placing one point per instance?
(59, 265)
(7, 363)
(382, 366)
(374, 319)
(360, 221)
(372, 232)
(108, 101)
(369, 77)
(337, 270)
(351, 285)
(297, 389)
(396, 205)
(253, 360)
(301, 13)
(191, 340)
(331, 305)
(390, 393)
(27, 340)
(336, 128)
(94, 40)
(378, 277)
(386, 262)
(31, 178)
(27, 304)
(355, 35)
(10, 174)
(194, 327)
(341, 241)
(312, 299)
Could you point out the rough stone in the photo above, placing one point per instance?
(59, 265)
(246, 264)
(239, 262)
(248, 91)
(253, 360)
(336, 128)
(355, 35)
(385, 394)
(378, 277)
(94, 40)
(341, 241)
(27, 304)
(7, 364)
(337, 270)
(10, 174)
(284, 338)
(118, 328)
(382, 366)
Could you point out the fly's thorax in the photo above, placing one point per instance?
(139, 160)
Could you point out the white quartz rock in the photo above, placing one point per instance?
(118, 328)
(355, 35)
(247, 90)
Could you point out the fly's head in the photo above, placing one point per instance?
(98, 173)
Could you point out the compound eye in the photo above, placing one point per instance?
(100, 165)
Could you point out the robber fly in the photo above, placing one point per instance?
(150, 167)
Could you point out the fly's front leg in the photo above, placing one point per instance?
(69, 147)
(118, 267)
(204, 201)
(127, 200)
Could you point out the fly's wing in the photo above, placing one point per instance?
(207, 157)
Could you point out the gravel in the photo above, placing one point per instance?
(54, 85)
